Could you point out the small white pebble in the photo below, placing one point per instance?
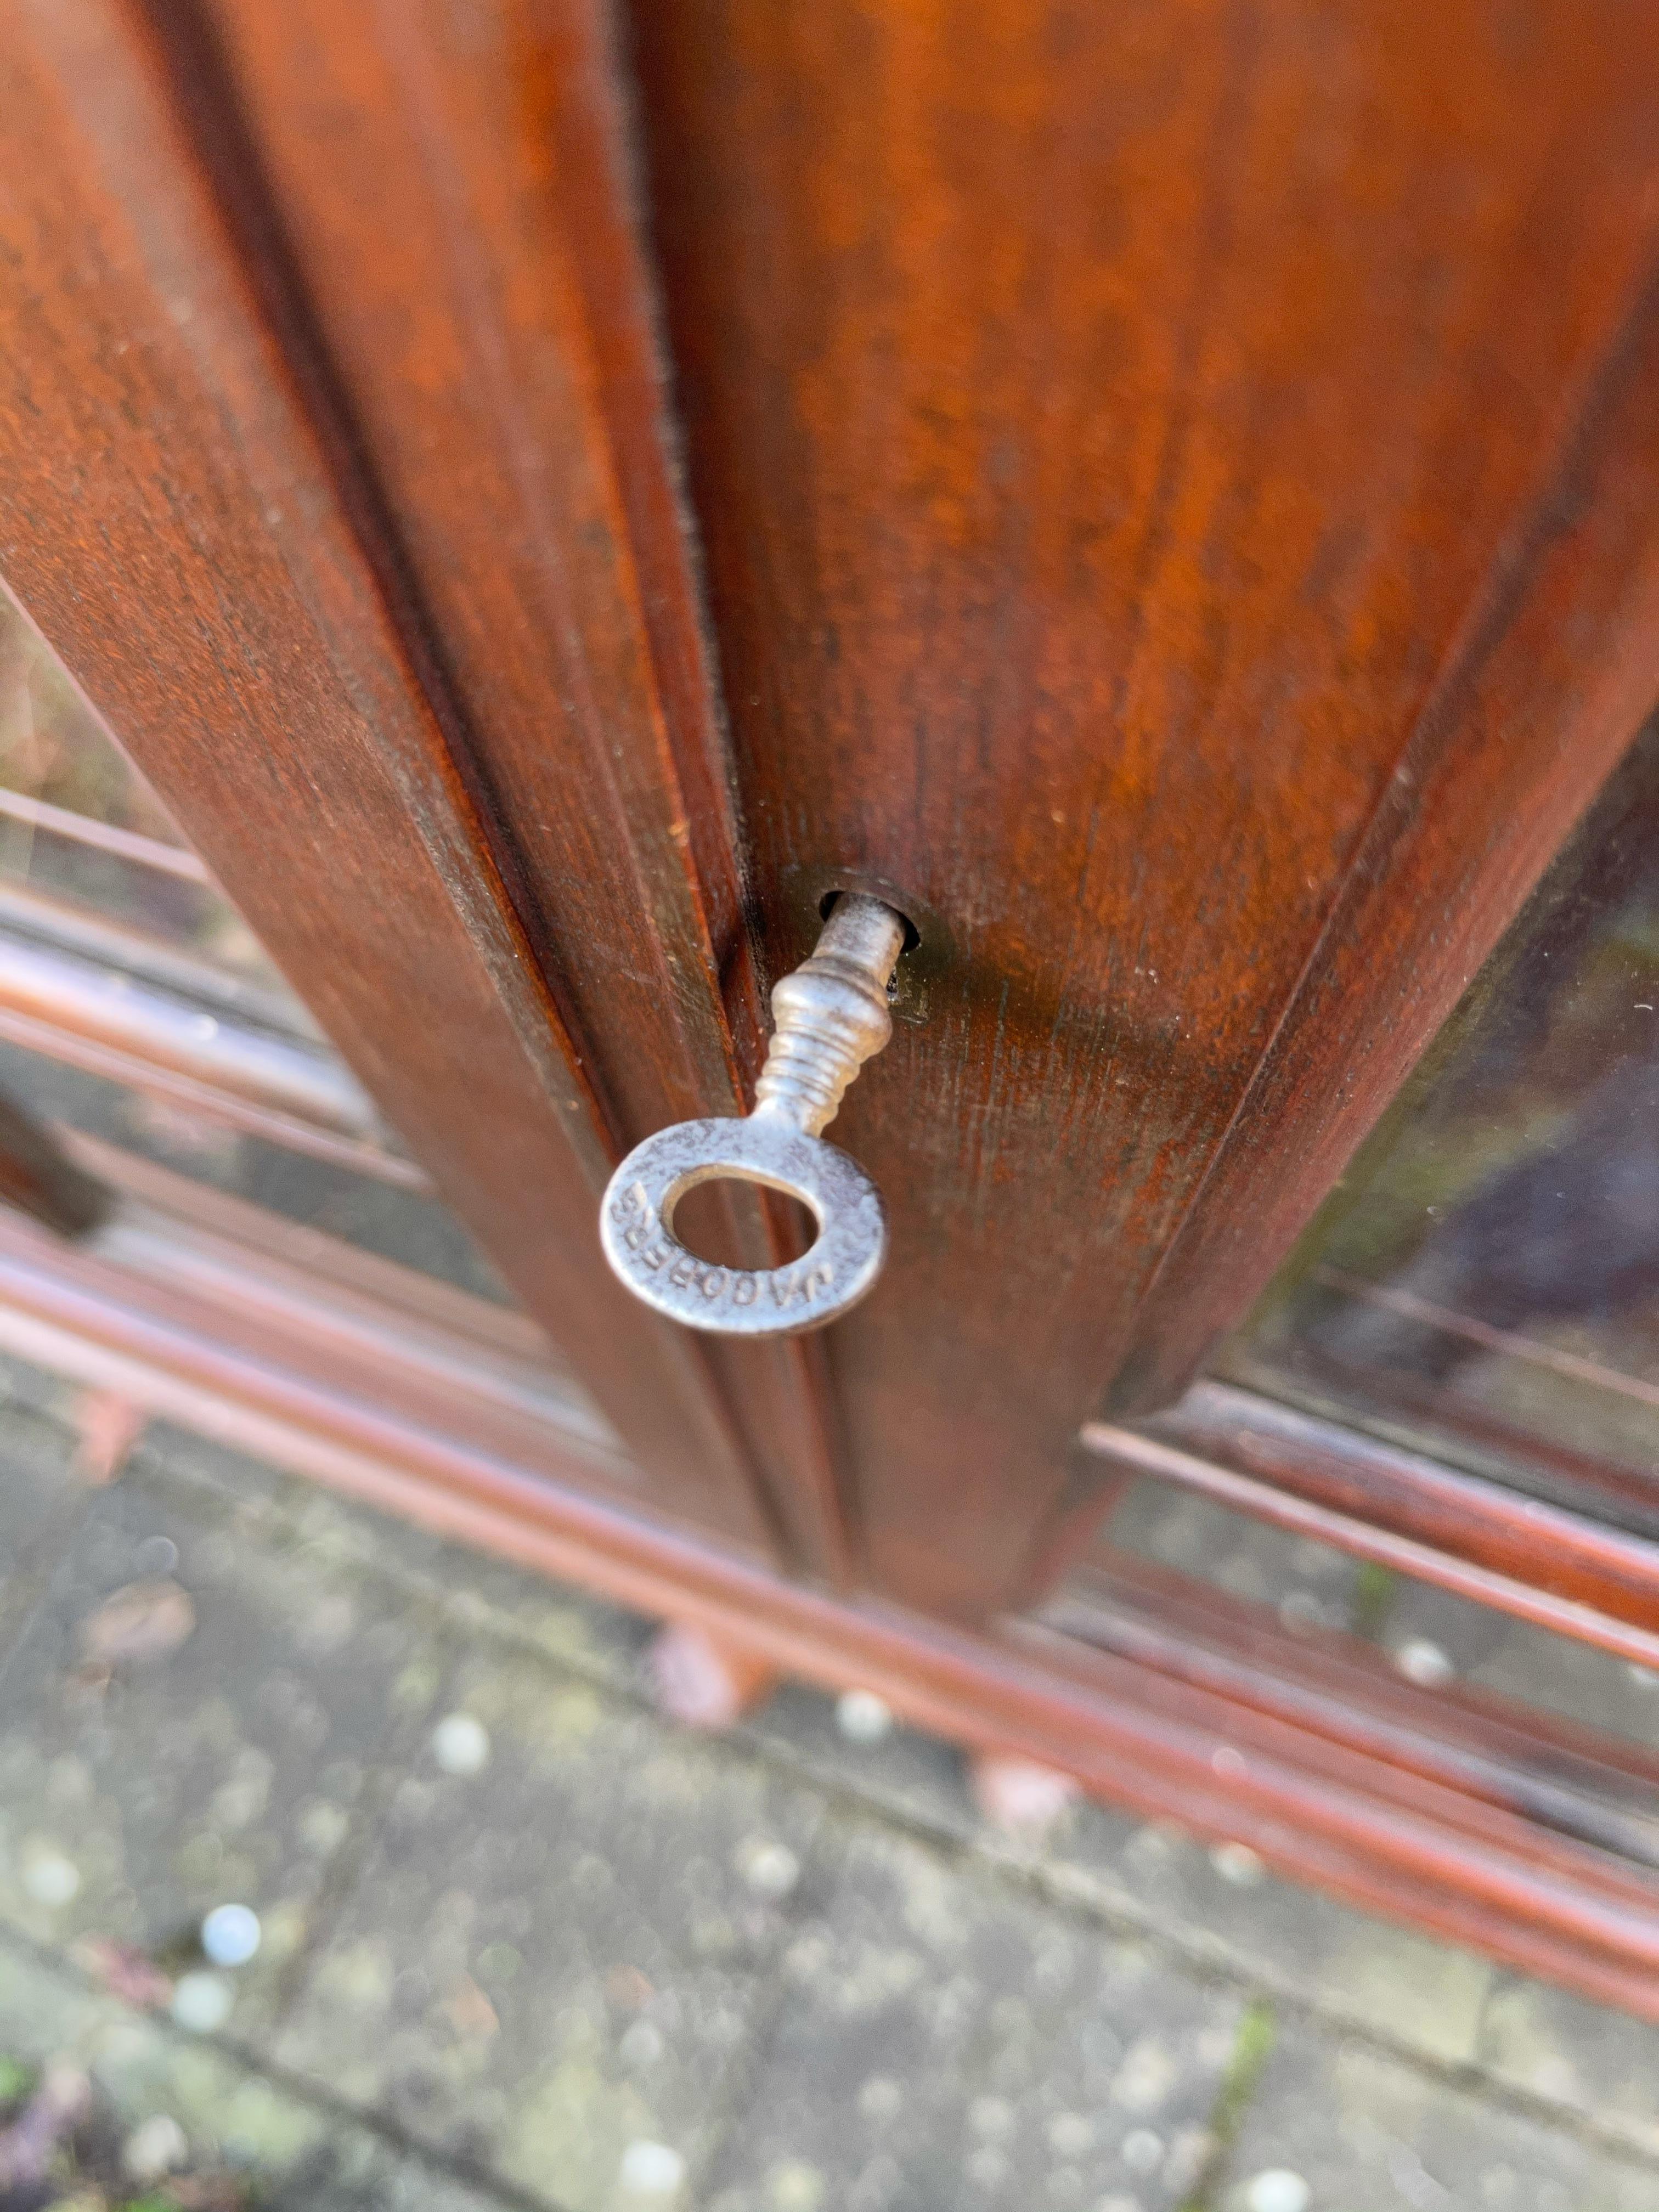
(156, 2147)
(862, 1717)
(1278, 2190)
(460, 1744)
(1141, 2150)
(1238, 1864)
(652, 2169)
(322, 1828)
(156, 1555)
(640, 2044)
(771, 1870)
(792, 2186)
(230, 1935)
(992, 2117)
(1070, 2135)
(1424, 1663)
(51, 1878)
(202, 2001)
(880, 2098)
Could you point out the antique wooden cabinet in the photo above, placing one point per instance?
(1166, 496)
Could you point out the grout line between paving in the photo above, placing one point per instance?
(1211, 1958)
(300, 2088)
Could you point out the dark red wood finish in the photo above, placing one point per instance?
(1132, 1450)
(1548, 1547)
(1178, 488)
(453, 191)
(187, 521)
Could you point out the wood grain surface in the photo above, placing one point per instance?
(184, 519)
(1176, 486)
(1569, 1554)
(452, 184)
(1177, 499)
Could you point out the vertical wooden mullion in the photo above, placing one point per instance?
(175, 518)
(456, 196)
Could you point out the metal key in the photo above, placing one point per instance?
(831, 1016)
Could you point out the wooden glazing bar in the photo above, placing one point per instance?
(470, 250)
(1133, 1449)
(1102, 559)
(189, 520)
(1491, 1524)
(1383, 1817)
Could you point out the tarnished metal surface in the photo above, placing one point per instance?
(831, 1015)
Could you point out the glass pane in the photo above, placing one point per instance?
(79, 824)
(396, 1223)
(1485, 1280)
(1326, 1602)
(136, 1007)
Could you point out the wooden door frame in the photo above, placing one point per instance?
(188, 520)
(432, 596)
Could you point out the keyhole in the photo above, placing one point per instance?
(704, 1221)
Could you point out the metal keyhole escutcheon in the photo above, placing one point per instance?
(830, 1015)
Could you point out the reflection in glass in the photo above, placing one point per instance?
(136, 1007)
(79, 824)
(1485, 1279)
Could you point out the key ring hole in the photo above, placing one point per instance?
(703, 1211)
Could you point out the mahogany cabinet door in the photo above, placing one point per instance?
(1164, 494)
(187, 516)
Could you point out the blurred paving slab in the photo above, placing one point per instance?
(41, 1502)
(551, 1962)
(606, 1967)
(199, 1712)
(299, 2158)
(939, 2043)
(1220, 1904)
(1310, 1585)
(1335, 2127)
(1517, 1660)
(1557, 2046)
(481, 1593)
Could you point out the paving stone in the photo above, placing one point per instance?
(298, 2157)
(1222, 1904)
(1575, 2053)
(549, 1964)
(905, 1772)
(1365, 2133)
(43, 1503)
(137, 1793)
(484, 1596)
(942, 2043)
(26, 1388)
